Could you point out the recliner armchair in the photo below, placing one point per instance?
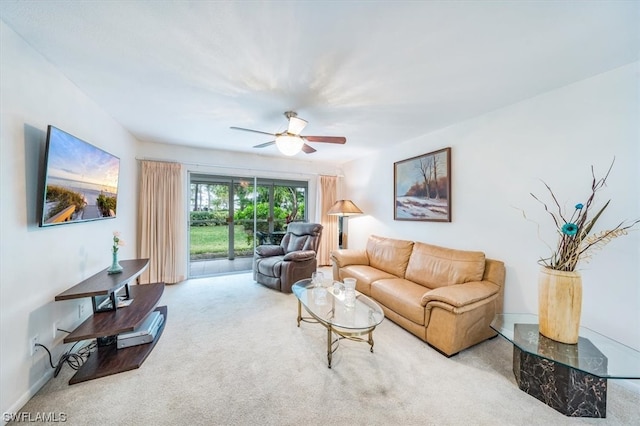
(281, 266)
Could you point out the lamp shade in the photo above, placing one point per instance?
(289, 145)
(344, 208)
(296, 125)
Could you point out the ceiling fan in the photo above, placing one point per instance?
(290, 142)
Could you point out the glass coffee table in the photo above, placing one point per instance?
(326, 307)
(572, 379)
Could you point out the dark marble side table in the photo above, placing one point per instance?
(572, 379)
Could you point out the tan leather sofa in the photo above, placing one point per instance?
(446, 297)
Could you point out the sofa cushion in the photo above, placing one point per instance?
(364, 276)
(461, 295)
(401, 296)
(433, 266)
(389, 255)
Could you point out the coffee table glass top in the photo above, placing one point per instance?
(327, 307)
(593, 354)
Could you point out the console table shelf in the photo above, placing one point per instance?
(145, 298)
(107, 325)
(108, 360)
(103, 283)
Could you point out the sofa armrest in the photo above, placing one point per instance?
(299, 256)
(459, 295)
(345, 257)
(268, 250)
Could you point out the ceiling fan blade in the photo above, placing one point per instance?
(264, 145)
(253, 131)
(308, 149)
(327, 139)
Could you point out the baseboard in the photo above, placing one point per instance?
(38, 384)
(15, 408)
(632, 385)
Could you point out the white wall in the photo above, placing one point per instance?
(38, 263)
(498, 159)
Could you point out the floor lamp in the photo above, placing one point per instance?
(341, 209)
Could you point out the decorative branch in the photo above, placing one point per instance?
(575, 242)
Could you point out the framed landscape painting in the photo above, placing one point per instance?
(422, 187)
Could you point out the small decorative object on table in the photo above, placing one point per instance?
(317, 278)
(115, 266)
(349, 292)
(560, 285)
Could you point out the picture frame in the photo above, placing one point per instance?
(422, 187)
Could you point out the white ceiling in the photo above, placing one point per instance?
(378, 73)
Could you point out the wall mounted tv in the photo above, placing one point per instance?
(81, 181)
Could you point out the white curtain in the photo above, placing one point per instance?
(327, 196)
(161, 220)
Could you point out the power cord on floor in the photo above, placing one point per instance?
(75, 360)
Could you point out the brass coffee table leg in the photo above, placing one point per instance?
(371, 340)
(299, 312)
(329, 351)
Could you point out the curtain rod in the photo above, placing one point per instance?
(186, 163)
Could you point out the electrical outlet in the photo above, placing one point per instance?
(32, 344)
(55, 329)
(80, 310)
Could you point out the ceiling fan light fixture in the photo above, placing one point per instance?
(289, 145)
(290, 142)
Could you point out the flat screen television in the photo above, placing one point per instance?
(80, 183)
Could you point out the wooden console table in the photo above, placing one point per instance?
(107, 324)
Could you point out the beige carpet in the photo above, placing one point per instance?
(231, 354)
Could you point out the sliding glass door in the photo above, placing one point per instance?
(210, 229)
(229, 216)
